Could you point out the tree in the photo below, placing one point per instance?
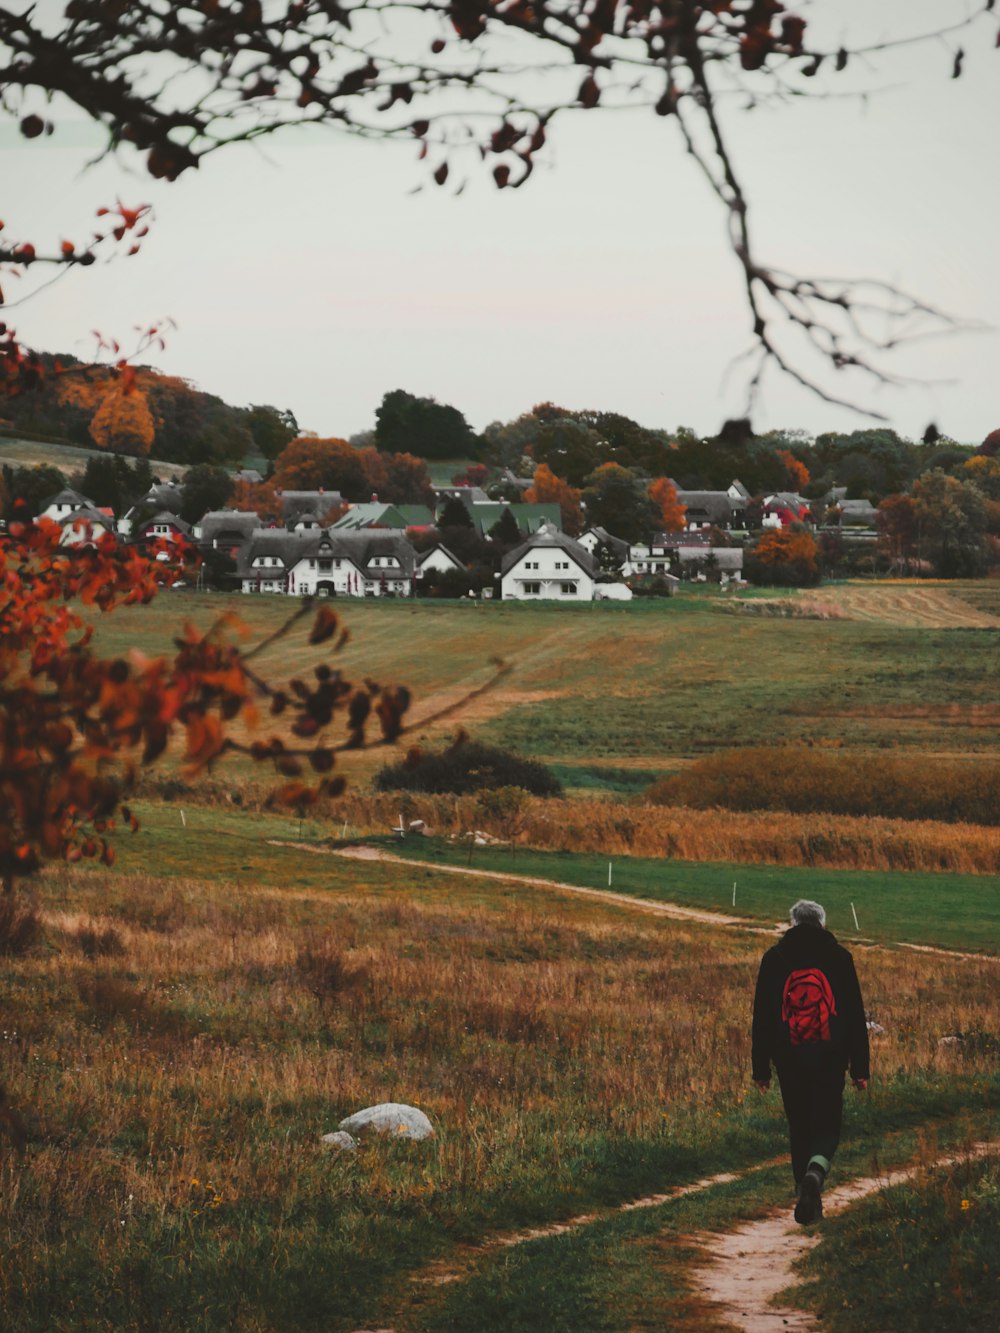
(898, 530)
(76, 729)
(454, 514)
(397, 478)
(616, 499)
(991, 445)
(312, 464)
(567, 447)
(505, 531)
(114, 483)
(270, 428)
(547, 488)
(206, 487)
(422, 426)
(27, 489)
(476, 474)
(788, 557)
(952, 520)
(672, 513)
(431, 76)
(123, 423)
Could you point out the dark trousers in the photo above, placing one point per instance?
(813, 1094)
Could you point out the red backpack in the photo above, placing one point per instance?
(807, 1005)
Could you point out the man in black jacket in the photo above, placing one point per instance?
(809, 1021)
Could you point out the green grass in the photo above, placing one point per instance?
(645, 685)
(564, 1048)
(917, 1258)
(953, 911)
(632, 1271)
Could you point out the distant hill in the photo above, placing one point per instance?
(162, 417)
(68, 458)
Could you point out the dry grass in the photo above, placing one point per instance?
(760, 837)
(175, 1094)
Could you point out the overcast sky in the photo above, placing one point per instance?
(306, 275)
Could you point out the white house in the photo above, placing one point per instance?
(85, 526)
(438, 560)
(370, 563)
(548, 565)
(64, 504)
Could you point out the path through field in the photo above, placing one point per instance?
(745, 1269)
(749, 1267)
(649, 906)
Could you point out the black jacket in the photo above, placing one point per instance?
(800, 948)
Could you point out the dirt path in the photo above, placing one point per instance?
(649, 906)
(751, 1266)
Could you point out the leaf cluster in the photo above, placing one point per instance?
(76, 728)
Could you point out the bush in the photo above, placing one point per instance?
(467, 766)
(20, 926)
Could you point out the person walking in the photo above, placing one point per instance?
(809, 1022)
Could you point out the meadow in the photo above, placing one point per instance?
(176, 1045)
(185, 1026)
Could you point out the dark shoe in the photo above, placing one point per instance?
(809, 1207)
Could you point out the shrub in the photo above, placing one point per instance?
(20, 926)
(328, 975)
(96, 941)
(467, 766)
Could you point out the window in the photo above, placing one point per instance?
(562, 564)
(568, 589)
(532, 589)
(531, 564)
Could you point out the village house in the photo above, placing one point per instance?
(86, 526)
(371, 563)
(550, 565)
(610, 553)
(226, 530)
(437, 560)
(165, 526)
(715, 509)
(64, 504)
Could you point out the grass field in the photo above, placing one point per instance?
(650, 685)
(68, 458)
(177, 1045)
(190, 1022)
(958, 911)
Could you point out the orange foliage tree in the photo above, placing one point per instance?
(77, 728)
(123, 422)
(547, 488)
(788, 557)
(796, 472)
(663, 494)
(256, 497)
(311, 464)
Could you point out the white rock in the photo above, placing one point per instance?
(951, 1041)
(339, 1141)
(392, 1118)
(876, 1029)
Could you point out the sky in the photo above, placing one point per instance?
(308, 274)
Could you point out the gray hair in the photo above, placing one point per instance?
(807, 913)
